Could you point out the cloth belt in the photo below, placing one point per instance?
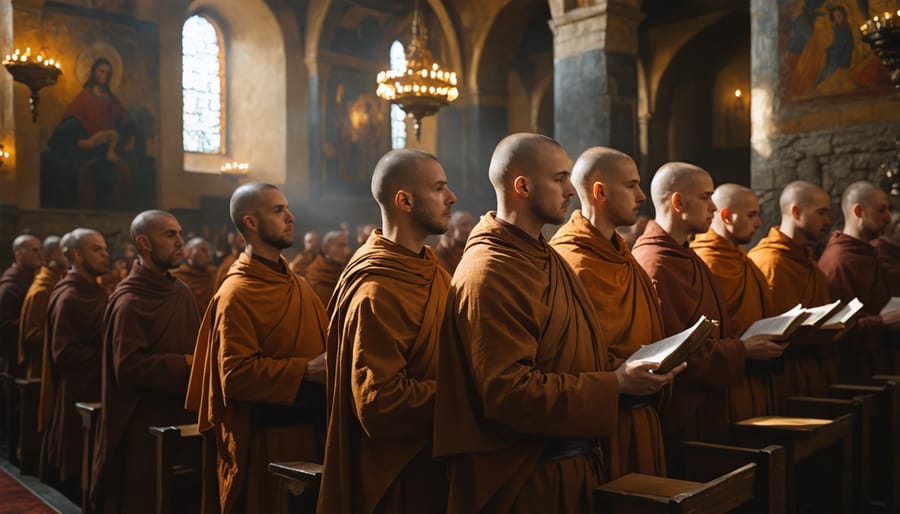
(561, 449)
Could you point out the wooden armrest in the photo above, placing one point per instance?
(25, 382)
(88, 406)
(704, 461)
(297, 470)
(182, 430)
(651, 487)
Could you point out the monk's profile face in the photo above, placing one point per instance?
(92, 257)
(363, 232)
(164, 243)
(623, 193)
(745, 219)
(462, 228)
(311, 242)
(432, 198)
(814, 219)
(275, 223)
(30, 256)
(338, 251)
(875, 215)
(200, 256)
(698, 207)
(550, 185)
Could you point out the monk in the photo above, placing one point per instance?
(258, 383)
(682, 197)
(72, 357)
(195, 271)
(382, 350)
(524, 397)
(34, 308)
(312, 248)
(743, 289)
(793, 277)
(853, 271)
(14, 284)
(363, 232)
(236, 245)
(150, 326)
(887, 249)
(608, 186)
(450, 248)
(322, 275)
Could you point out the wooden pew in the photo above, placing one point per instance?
(29, 443)
(299, 484)
(179, 468)
(718, 479)
(887, 430)
(10, 415)
(90, 416)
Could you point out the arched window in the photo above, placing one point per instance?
(203, 85)
(398, 117)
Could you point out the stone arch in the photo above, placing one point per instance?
(502, 37)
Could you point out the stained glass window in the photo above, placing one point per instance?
(398, 117)
(202, 72)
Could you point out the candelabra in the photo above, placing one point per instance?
(36, 72)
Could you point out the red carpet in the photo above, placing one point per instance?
(17, 499)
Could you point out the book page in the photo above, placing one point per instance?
(843, 316)
(776, 325)
(892, 305)
(818, 314)
(658, 351)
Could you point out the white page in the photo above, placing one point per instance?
(816, 314)
(658, 351)
(776, 325)
(892, 305)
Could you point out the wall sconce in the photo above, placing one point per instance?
(738, 99)
(235, 170)
(4, 155)
(36, 72)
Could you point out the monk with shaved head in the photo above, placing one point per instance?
(525, 385)
(608, 185)
(312, 248)
(322, 275)
(382, 350)
(34, 308)
(786, 260)
(452, 243)
(72, 359)
(887, 249)
(743, 289)
(150, 326)
(852, 268)
(14, 284)
(195, 271)
(682, 196)
(257, 385)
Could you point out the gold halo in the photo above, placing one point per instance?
(93, 52)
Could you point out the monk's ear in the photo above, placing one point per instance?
(520, 185)
(795, 211)
(677, 202)
(249, 221)
(725, 215)
(599, 190)
(403, 200)
(857, 210)
(142, 242)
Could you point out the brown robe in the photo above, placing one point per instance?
(628, 311)
(746, 297)
(260, 331)
(521, 365)
(889, 258)
(853, 270)
(686, 290)
(301, 262)
(14, 284)
(322, 275)
(71, 369)
(34, 318)
(201, 281)
(150, 324)
(448, 255)
(224, 266)
(793, 277)
(382, 361)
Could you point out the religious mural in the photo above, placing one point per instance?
(823, 54)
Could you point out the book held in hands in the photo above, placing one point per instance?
(778, 327)
(673, 350)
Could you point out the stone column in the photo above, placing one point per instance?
(595, 76)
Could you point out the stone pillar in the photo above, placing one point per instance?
(595, 76)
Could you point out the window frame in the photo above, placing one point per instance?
(224, 145)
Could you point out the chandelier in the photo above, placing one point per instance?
(422, 86)
(883, 35)
(35, 72)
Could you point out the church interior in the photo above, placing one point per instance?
(202, 96)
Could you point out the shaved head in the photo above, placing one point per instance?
(860, 192)
(335, 247)
(674, 177)
(78, 237)
(66, 242)
(733, 196)
(332, 237)
(396, 170)
(737, 219)
(27, 252)
(50, 244)
(799, 192)
(517, 154)
(804, 211)
(867, 212)
(144, 222)
(92, 258)
(194, 242)
(245, 201)
(23, 240)
(597, 164)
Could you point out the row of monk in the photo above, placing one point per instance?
(501, 388)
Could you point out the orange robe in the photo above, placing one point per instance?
(224, 266)
(200, 281)
(260, 331)
(382, 362)
(14, 284)
(71, 370)
(448, 255)
(322, 275)
(521, 366)
(746, 298)
(301, 262)
(34, 318)
(889, 258)
(793, 277)
(686, 290)
(853, 270)
(628, 312)
(150, 324)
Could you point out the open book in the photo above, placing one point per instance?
(818, 315)
(779, 327)
(842, 317)
(673, 350)
(892, 305)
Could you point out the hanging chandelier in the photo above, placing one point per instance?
(35, 71)
(422, 86)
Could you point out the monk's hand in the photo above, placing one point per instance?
(761, 347)
(315, 369)
(891, 320)
(635, 378)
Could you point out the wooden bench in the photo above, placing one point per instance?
(90, 416)
(29, 441)
(298, 479)
(179, 468)
(886, 430)
(719, 478)
(10, 415)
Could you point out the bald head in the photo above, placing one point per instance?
(460, 226)
(597, 164)
(675, 177)
(77, 238)
(733, 196)
(193, 243)
(332, 237)
(804, 211)
(24, 240)
(246, 200)
(198, 254)
(27, 252)
(86, 249)
(50, 244)
(861, 192)
(396, 170)
(147, 221)
(515, 155)
(737, 218)
(867, 212)
(335, 247)
(799, 193)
